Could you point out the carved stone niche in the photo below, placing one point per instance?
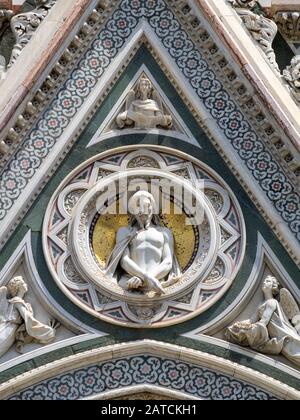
(144, 108)
(83, 220)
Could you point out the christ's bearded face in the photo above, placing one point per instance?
(145, 212)
(142, 207)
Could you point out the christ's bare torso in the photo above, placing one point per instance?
(147, 260)
(146, 249)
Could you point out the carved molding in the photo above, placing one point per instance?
(23, 124)
(15, 135)
(263, 30)
(288, 23)
(24, 26)
(146, 347)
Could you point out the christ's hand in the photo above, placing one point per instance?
(134, 283)
(154, 284)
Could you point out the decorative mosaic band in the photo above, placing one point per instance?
(143, 370)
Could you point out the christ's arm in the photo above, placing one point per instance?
(128, 265)
(164, 269)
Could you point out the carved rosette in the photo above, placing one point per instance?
(80, 232)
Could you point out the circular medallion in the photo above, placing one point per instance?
(144, 237)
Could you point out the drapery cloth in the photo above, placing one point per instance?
(278, 337)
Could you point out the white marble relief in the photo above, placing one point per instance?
(144, 250)
(144, 108)
(275, 327)
(17, 322)
(144, 267)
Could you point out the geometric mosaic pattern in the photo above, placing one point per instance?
(202, 79)
(143, 370)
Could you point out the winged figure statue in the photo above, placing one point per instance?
(276, 327)
(17, 322)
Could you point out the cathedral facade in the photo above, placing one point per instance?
(150, 201)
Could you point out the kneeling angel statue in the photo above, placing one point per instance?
(17, 322)
(276, 329)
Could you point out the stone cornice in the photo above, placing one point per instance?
(19, 84)
(266, 84)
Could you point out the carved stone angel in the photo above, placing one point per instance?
(17, 323)
(144, 108)
(276, 329)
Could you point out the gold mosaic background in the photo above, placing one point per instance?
(107, 226)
